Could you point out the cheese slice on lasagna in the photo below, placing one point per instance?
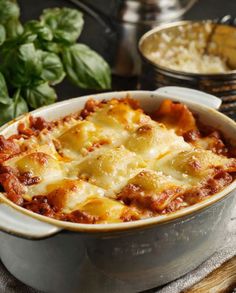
(110, 168)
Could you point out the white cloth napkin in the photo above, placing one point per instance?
(8, 284)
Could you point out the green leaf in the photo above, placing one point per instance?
(21, 65)
(51, 47)
(4, 97)
(20, 105)
(13, 108)
(13, 28)
(8, 10)
(6, 103)
(3, 90)
(65, 23)
(40, 95)
(42, 32)
(2, 34)
(53, 70)
(9, 17)
(6, 112)
(26, 38)
(86, 68)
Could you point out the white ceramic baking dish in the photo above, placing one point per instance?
(56, 256)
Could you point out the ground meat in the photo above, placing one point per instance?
(191, 135)
(8, 148)
(174, 205)
(79, 217)
(89, 107)
(39, 204)
(211, 186)
(27, 178)
(13, 187)
(8, 169)
(133, 195)
(24, 131)
(38, 123)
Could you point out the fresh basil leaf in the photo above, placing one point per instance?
(2, 34)
(22, 65)
(16, 107)
(5, 100)
(6, 112)
(10, 108)
(51, 47)
(53, 70)
(65, 23)
(8, 10)
(40, 95)
(6, 50)
(13, 28)
(42, 32)
(9, 17)
(86, 68)
(20, 105)
(3, 89)
(4, 97)
(13, 108)
(26, 38)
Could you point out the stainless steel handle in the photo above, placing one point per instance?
(19, 224)
(183, 94)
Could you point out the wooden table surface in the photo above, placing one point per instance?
(222, 280)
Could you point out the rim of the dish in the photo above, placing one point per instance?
(110, 227)
(177, 73)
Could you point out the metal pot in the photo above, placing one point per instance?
(222, 85)
(125, 21)
(56, 256)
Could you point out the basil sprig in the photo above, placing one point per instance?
(39, 54)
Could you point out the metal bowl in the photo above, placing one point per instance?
(223, 38)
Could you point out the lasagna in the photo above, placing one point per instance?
(112, 162)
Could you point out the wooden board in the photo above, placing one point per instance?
(222, 280)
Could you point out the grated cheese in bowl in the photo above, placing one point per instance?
(187, 55)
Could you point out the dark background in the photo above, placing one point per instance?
(94, 34)
(202, 9)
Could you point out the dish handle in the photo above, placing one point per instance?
(183, 94)
(18, 224)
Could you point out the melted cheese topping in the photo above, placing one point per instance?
(67, 195)
(152, 141)
(194, 166)
(119, 116)
(116, 164)
(110, 169)
(82, 138)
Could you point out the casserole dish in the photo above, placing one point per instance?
(57, 256)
